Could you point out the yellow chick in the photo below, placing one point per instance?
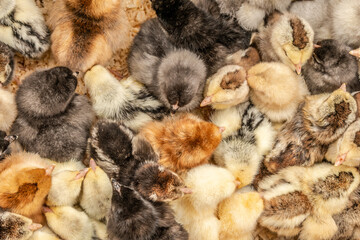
(238, 215)
(96, 192)
(44, 234)
(276, 90)
(69, 223)
(66, 187)
(226, 88)
(8, 110)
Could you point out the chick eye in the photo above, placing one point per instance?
(285, 53)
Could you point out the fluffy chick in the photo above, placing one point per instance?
(127, 101)
(248, 136)
(330, 66)
(58, 219)
(238, 215)
(196, 212)
(192, 28)
(96, 192)
(25, 180)
(287, 39)
(52, 121)
(24, 28)
(276, 90)
(319, 121)
(227, 87)
(5, 141)
(65, 187)
(94, 30)
(183, 141)
(175, 76)
(16, 227)
(8, 110)
(6, 64)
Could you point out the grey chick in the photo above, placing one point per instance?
(5, 142)
(6, 64)
(175, 76)
(192, 28)
(330, 66)
(53, 121)
(23, 28)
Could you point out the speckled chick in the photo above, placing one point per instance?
(330, 66)
(127, 100)
(320, 120)
(86, 33)
(24, 28)
(6, 64)
(53, 121)
(183, 141)
(276, 90)
(96, 192)
(8, 111)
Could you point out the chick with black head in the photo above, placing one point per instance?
(52, 120)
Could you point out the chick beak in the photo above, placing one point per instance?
(45, 209)
(35, 226)
(175, 107)
(81, 174)
(93, 164)
(222, 129)
(186, 190)
(76, 74)
(343, 87)
(11, 138)
(298, 68)
(317, 46)
(237, 184)
(206, 101)
(49, 170)
(355, 52)
(340, 159)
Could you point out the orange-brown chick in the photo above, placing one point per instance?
(25, 181)
(183, 141)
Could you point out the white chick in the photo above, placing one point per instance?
(276, 90)
(96, 193)
(8, 110)
(127, 101)
(69, 223)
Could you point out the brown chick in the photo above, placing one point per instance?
(25, 181)
(85, 33)
(320, 120)
(276, 90)
(287, 39)
(183, 141)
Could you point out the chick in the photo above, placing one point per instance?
(238, 215)
(196, 212)
(96, 192)
(6, 64)
(94, 30)
(248, 136)
(65, 187)
(175, 76)
(320, 120)
(25, 180)
(275, 90)
(44, 234)
(194, 29)
(228, 87)
(5, 141)
(16, 227)
(182, 141)
(330, 66)
(8, 110)
(58, 219)
(287, 39)
(24, 28)
(127, 101)
(52, 121)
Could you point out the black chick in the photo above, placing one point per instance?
(330, 66)
(5, 142)
(6, 64)
(52, 120)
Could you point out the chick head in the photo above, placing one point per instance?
(46, 93)
(181, 77)
(292, 39)
(158, 184)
